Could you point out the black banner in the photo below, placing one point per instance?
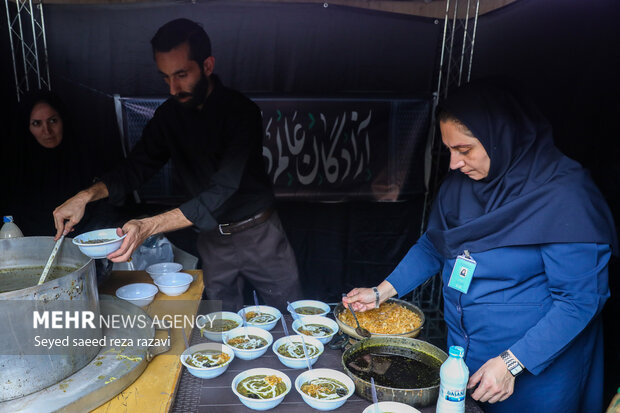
(331, 149)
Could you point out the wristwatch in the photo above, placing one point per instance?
(377, 296)
(514, 367)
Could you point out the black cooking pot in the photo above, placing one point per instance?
(419, 351)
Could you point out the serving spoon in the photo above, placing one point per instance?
(359, 329)
(373, 391)
(50, 260)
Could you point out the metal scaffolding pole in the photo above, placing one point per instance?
(26, 26)
(454, 68)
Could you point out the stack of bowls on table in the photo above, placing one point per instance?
(162, 268)
(174, 284)
(168, 278)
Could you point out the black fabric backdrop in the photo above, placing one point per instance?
(565, 52)
(268, 49)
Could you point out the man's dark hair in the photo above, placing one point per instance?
(179, 31)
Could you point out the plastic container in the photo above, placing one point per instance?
(614, 406)
(9, 229)
(454, 375)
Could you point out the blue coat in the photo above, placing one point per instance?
(541, 302)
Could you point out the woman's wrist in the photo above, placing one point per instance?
(386, 290)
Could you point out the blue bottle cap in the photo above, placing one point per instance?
(456, 351)
(7, 218)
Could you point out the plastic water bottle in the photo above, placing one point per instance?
(9, 229)
(454, 375)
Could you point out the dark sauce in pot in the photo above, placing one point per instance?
(394, 370)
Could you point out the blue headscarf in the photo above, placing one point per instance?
(533, 193)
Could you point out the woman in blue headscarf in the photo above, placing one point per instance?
(539, 235)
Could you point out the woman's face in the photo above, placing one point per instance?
(46, 125)
(466, 152)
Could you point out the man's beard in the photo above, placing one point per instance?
(198, 94)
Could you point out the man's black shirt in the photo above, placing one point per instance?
(216, 153)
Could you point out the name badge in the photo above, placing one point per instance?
(462, 273)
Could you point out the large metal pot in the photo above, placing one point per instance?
(24, 370)
(402, 346)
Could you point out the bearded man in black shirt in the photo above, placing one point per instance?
(213, 135)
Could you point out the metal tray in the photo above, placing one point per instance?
(108, 374)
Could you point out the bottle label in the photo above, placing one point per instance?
(451, 394)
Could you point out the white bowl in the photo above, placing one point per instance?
(218, 315)
(140, 294)
(317, 319)
(310, 303)
(297, 363)
(322, 404)
(260, 404)
(263, 309)
(101, 249)
(207, 372)
(162, 268)
(394, 407)
(248, 354)
(173, 284)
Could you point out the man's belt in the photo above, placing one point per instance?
(234, 227)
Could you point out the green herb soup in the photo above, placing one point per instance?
(324, 388)
(219, 325)
(96, 241)
(315, 330)
(395, 370)
(255, 317)
(207, 358)
(12, 279)
(295, 350)
(308, 310)
(261, 387)
(249, 342)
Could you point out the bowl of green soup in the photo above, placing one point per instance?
(390, 407)
(213, 325)
(99, 243)
(290, 351)
(305, 308)
(261, 316)
(261, 388)
(319, 327)
(324, 389)
(207, 360)
(248, 343)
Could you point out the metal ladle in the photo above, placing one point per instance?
(359, 329)
(50, 260)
